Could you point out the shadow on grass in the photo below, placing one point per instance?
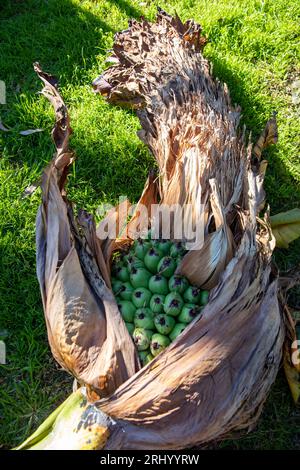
(64, 37)
(60, 35)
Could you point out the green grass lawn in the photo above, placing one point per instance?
(254, 46)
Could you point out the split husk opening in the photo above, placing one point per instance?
(214, 378)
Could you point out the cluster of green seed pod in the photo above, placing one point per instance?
(155, 303)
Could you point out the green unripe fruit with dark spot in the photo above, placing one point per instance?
(116, 286)
(127, 310)
(189, 312)
(116, 265)
(173, 304)
(177, 249)
(141, 248)
(125, 258)
(166, 266)
(192, 295)
(144, 319)
(178, 284)
(164, 324)
(139, 277)
(141, 297)
(158, 284)
(126, 291)
(122, 274)
(204, 297)
(129, 258)
(157, 303)
(177, 330)
(152, 258)
(142, 338)
(163, 246)
(130, 327)
(134, 262)
(158, 343)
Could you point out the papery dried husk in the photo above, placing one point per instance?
(86, 334)
(141, 218)
(214, 254)
(214, 378)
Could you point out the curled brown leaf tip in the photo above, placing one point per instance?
(47, 78)
(268, 136)
(62, 129)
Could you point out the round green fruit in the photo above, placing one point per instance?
(166, 266)
(178, 328)
(173, 304)
(139, 277)
(158, 343)
(204, 297)
(145, 357)
(163, 246)
(116, 286)
(142, 338)
(141, 248)
(152, 258)
(164, 324)
(126, 291)
(127, 310)
(192, 295)
(178, 284)
(158, 284)
(144, 319)
(128, 258)
(141, 297)
(125, 258)
(130, 327)
(122, 274)
(142, 356)
(189, 312)
(177, 249)
(157, 303)
(117, 264)
(134, 262)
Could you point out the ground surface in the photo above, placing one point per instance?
(254, 46)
